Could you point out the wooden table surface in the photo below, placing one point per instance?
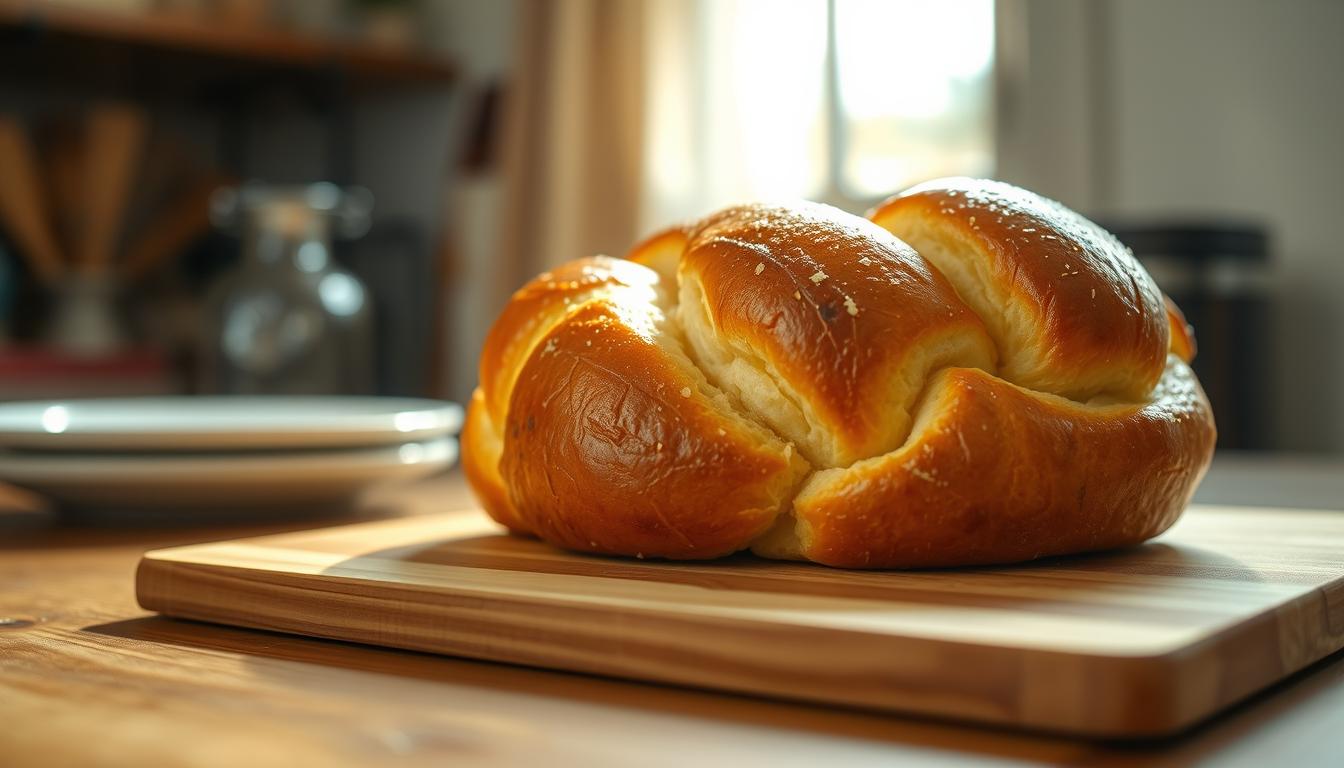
(89, 678)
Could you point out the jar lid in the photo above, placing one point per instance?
(293, 209)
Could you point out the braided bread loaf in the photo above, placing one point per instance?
(1002, 382)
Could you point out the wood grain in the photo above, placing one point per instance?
(1142, 642)
(88, 678)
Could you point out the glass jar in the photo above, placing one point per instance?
(287, 319)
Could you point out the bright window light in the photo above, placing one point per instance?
(915, 91)
(842, 101)
(776, 73)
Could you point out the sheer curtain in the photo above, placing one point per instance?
(736, 105)
(573, 149)
(628, 116)
(843, 101)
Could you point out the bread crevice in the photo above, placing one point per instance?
(673, 339)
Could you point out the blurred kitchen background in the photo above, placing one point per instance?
(339, 195)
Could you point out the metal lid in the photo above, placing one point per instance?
(294, 209)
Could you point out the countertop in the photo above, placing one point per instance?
(89, 678)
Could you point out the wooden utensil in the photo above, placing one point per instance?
(169, 169)
(1140, 642)
(112, 153)
(22, 203)
(60, 147)
(173, 228)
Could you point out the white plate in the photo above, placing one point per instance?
(223, 423)
(239, 481)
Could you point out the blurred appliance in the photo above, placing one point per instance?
(393, 261)
(1218, 272)
(288, 320)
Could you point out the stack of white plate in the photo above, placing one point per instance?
(235, 453)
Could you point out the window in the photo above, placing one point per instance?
(844, 101)
(913, 92)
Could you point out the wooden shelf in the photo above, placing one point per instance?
(250, 46)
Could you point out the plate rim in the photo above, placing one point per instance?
(28, 470)
(340, 431)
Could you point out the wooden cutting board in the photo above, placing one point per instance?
(1135, 643)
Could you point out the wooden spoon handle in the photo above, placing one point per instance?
(22, 206)
(112, 155)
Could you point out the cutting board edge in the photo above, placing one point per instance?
(1132, 685)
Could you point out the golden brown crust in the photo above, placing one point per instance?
(1182, 335)
(538, 306)
(615, 444)
(848, 318)
(532, 312)
(1001, 474)
(1071, 310)
(661, 252)
(481, 450)
(621, 414)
